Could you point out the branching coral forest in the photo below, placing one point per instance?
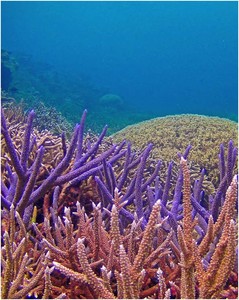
(91, 219)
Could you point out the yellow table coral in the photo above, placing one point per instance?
(172, 134)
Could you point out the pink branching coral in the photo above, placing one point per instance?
(131, 238)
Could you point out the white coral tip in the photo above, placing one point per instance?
(182, 159)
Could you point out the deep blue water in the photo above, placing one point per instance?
(161, 57)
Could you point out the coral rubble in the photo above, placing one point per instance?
(132, 235)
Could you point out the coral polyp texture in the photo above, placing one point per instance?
(87, 218)
(48, 118)
(171, 134)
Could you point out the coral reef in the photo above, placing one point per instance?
(171, 134)
(47, 117)
(131, 235)
(68, 93)
(111, 100)
(8, 67)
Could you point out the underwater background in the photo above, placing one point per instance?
(149, 211)
(123, 61)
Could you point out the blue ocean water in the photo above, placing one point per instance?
(160, 57)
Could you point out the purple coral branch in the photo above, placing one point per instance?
(31, 182)
(80, 136)
(217, 199)
(26, 141)
(108, 199)
(167, 184)
(225, 182)
(129, 216)
(222, 166)
(158, 188)
(125, 170)
(150, 198)
(9, 172)
(201, 228)
(200, 209)
(230, 165)
(91, 151)
(177, 192)
(12, 152)
(138, 182)
(63, 141)
(5, 203)
(4, 189)
(116, 156)
(108, 180)
(33, 142)
(129, 194)
(186, 152)
(131, 197)
(234, 156)
(27, 146)
(54, 207)
(171, 217)
(179, 184)
(112, 176)
(12, 189)
(27, 214)
(55, 198)
(48, 183)
(107, 196)
(120, 147)
(81, 177)
(198, 186)
(86, 167)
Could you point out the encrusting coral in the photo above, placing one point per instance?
(134, 235)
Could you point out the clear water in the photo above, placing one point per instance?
(160, 57)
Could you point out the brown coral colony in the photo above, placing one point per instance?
(89, 218)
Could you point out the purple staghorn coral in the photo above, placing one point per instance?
(21, 189)
(144, 237)
(143, 193)
(138, 191)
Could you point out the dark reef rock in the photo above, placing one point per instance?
(8, 66)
